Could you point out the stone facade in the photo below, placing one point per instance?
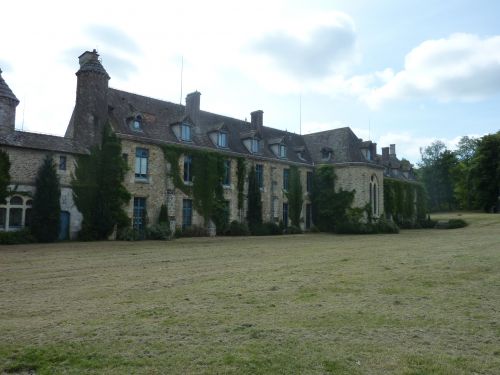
(145, 125)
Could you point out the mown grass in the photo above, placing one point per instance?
(421, 302)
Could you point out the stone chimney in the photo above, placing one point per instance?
(392, 150)
(193, 106)
(373, 150)
(91, 107)
(385, 153)
(257, 119)
(8, 104)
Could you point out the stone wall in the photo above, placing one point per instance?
(24, 168)
(358, 177)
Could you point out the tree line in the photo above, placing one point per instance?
(467, 178)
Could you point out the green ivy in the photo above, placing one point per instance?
(206, 190)
(295, 196)
(399, 200)
(241, 173)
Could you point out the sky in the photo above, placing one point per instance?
(404, 72)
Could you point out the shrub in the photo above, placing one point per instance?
(385, 226)
(194, 231)
(17, 237)
(428, 223)
(163, 216)
(158, 232)
(272, 229)
(127, 234)
(238, 229)
(451, 224)
(315, 229)
(293, 229)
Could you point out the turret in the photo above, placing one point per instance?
(91, 107)
(8, 104)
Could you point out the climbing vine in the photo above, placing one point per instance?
(206, 188)
(240, 174)
(400, 202)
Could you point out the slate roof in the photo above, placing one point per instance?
(44, 142)
(343, 142)
(5, 91)
(159, 115)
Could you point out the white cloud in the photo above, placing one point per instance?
(463, 67)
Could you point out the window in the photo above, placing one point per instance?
(309, 182)
(139, 219)
(285, 214)
(254, 145)
(137, 123)
(188, 166)
(227, 173)
(222, 139)
(62, 163)
(187, 213)
(259, 175)
(286, 174)
(141, 163)
(326, 154)
(282, 151)
(16, 212)
(186, 132)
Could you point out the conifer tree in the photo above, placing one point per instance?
(4, 175)
(98, 188)
(254, 212)
(46, 203)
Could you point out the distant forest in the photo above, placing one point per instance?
(467, 178)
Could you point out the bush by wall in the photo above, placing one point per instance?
(17, 237)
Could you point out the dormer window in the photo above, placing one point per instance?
(137, 123)
(282, 151)
(326, 154)
(222, 139)
(186, 132)
(255, 145)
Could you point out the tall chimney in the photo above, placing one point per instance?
(8, 104)
(385, 153)
(393, 150)
(257, 119)
(193, 106)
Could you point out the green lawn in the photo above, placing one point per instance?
(421, 302)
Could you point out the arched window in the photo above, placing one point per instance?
(16, 213)
(137, 123)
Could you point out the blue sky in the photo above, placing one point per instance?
(404, 72)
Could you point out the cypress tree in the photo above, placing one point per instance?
(254, 212)
(46, 205)
(4, 175)
(98, 188)
(295, 196)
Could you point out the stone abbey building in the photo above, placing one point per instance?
(145, 125)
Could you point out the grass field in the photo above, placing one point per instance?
(421, 302)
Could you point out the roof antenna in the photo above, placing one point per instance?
(182, 72)
(369, 129)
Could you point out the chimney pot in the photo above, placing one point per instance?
(385, 153)
(392, 149)
(257, 119)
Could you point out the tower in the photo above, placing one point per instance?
(91, 106)
(8, 104)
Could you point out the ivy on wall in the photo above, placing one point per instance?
(295, 196)
(404, 201)
(240, 185)
(206, 190)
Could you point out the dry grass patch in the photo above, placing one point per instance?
(421, 302)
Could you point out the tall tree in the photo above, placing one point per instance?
(329, 206)
(98, 188)
(436, 172)
(46, 203)
(486, 172)
(254, 212)
(295, 196)
(464, 187)
(4, 175)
